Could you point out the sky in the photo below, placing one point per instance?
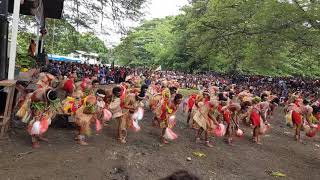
(154, 9)
(163, 8)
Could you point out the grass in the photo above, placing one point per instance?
(187, 92)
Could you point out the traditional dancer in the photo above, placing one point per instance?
(116, 110)
(297, 118)
(100, 110)
(308, 112)
(166, 110)
(84, 116)
(255, 117)
(131, 104)
(37, 111)
(230, 116)
(264, 107)
(203, 117)
(155, 104)
(190, 105)
(72, 103)
(69, 85)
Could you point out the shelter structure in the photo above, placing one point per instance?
(86, 57)
(40, 9)
(63, 58)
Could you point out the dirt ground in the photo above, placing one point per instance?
(143, 159)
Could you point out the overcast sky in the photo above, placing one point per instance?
(163, 8)
(155, 9)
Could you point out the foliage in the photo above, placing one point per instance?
(62, 39)
(23, 41)
(88, 13)
(147, 45)
(25, 61)
(188, 92)
(64, 36)
(273, 37)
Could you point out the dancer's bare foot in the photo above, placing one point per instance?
(198, 140)
(297, 138)
(208, 144)
(98, 133)
(122, 141)
(83, 143)
(254, 139)
(164, 141)
(229, 142)
(259, 143)
(35, 145)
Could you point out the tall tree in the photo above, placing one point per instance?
(255, 37)
(88, 13)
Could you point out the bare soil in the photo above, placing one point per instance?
(143, 159)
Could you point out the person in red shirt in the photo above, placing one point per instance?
(190, 104)
(255, 118)
(297, 118)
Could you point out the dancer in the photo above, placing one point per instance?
(255, 117)
(131, 104)
(297, 118)
(264, 107)
(230, 116)
(203, 117)
(155, 105)
(100, 107)
(116, 110)
(190, 105)
(84, 116)
(167, 109)
(42, 110)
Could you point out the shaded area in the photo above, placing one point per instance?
(51, 8)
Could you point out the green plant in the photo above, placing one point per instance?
(25, 61)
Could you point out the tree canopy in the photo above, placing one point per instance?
(88, 13)
(62, 39)
(274, 37)
(95, 17)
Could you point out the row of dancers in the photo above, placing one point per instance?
(212, 111)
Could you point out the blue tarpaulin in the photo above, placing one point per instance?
(63, 58)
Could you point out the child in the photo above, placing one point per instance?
(115, 108)
(297, 118)
(83, 118)
(168, 109)
(264, 107)
(100, 106)
(190, 104)
(230, 115)
(255, 117)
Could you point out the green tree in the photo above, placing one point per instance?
(271, 37)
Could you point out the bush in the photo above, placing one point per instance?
(25, 61)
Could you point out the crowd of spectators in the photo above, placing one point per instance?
(281, 86)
